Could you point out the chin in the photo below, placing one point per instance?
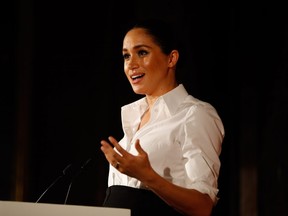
(138, 90)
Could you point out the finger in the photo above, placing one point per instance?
(106, 147)
(117, 146)
(138, 147)
(111, 156)
(116, 165)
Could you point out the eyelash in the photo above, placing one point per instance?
(140, 53)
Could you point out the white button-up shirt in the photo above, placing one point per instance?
(183, 140)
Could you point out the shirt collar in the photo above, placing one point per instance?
(174, 98)
(171, 99)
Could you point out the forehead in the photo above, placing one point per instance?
(137, 37)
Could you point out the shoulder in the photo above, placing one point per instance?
(202, 114)
(193, 104)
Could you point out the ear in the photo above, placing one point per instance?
(173, 58)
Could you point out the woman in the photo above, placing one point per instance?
(168, 160)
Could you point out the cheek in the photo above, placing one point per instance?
(149, 65)
(154, 63)
(125, 69)
(153, 66)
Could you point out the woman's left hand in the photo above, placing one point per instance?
(134, 166)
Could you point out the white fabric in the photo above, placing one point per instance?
(183, 139)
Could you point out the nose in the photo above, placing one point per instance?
(132, 63)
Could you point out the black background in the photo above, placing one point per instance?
(62, 86)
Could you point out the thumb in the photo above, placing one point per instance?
(138, 147)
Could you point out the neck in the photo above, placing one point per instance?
(153, 97)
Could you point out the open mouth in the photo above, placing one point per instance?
(137, 77)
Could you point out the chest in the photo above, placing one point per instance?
(144, 119)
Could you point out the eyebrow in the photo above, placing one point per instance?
(138, 47)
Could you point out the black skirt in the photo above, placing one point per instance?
(140, 201)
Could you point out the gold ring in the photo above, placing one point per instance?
(116, 165)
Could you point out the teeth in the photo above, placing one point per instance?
(136, 76)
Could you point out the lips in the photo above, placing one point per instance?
(137, 78)
(134, 77)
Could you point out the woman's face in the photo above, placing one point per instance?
(147, 68)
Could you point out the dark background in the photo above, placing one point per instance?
(62, 86)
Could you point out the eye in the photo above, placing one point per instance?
(142, 52)
(126, 56)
